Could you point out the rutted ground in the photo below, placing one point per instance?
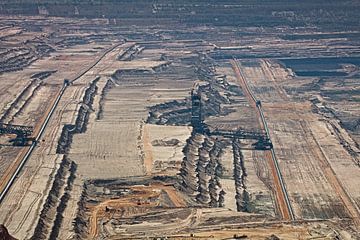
(61, 186)
(120, 158)
(303, 149)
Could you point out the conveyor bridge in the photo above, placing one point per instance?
(197, 122)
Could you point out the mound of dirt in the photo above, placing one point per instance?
(166, 143)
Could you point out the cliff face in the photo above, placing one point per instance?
(4, 234)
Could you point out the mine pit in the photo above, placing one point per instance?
(186, 120)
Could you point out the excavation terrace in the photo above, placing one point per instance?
(179, 119)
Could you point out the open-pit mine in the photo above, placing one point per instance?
(163, 119)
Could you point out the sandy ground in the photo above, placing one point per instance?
(20, 209)
(166, 159)
(301, 152)
(320, 175)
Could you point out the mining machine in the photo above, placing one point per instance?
(23, 133)
(262, 142)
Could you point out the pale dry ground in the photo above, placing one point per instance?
(177, 221)
(39, 103)
(217, 223)
(152, 198)
(66, 230)
(243, 115)
(111, 147)
(303, 145)
(347, 103)
(227, 180)
(139, 64)
(20, 209)
(351, 108)
(35, 103)
(338, 157)
(260, 194)
(166, 159)
(258, 177)
(65, 61)
(323, 231)
(114, 146)
(12, 84)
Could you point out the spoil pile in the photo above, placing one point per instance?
(4, 234)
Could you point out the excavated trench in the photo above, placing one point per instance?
(63, 202)
(16, 107)
(109, 84)
(216, 94)
(43, 75)
(328, 113)
(16, 59)
(80, 223)
(242, 197)
(51, 216)
(57, 198)
(201, 168)
(124, 75)
(178, 112)
(81, 121)
(131, 53)
(215, 170)
(93, 194)
(188, 174)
